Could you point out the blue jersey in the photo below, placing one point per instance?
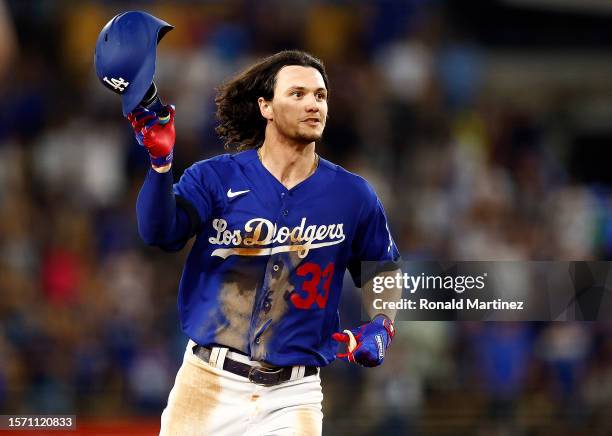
(265, 273)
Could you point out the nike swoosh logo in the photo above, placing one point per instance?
(231, 194)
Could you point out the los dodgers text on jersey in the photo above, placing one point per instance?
(267, 238)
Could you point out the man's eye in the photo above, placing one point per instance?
(297, 93)
(321, 96)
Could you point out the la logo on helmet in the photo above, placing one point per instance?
(118, 84)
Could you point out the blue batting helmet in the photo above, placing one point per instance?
(125, 55)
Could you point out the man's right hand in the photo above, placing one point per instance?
(155, 134)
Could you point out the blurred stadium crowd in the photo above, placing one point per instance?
(479, 148)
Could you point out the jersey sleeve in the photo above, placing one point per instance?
(373, 240)
(193, 193)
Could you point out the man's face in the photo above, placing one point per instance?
(299, 107)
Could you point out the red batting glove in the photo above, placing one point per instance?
(156, 134)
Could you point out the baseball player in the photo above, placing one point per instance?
(276, 226)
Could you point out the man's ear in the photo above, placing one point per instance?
(265, 107)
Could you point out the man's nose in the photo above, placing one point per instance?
(311, 103)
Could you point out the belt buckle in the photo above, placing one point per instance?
(253, 370)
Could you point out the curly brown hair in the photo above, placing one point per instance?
(241, 125)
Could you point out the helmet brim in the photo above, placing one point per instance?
(143, 79)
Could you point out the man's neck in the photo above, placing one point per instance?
(289, 162)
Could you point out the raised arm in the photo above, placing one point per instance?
(161, 219)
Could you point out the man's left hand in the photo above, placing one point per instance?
(367, 344)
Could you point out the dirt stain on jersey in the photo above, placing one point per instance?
(280, 287)
(236, 302)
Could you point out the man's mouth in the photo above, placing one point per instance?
(312, 121)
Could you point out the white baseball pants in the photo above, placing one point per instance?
(206, 400)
